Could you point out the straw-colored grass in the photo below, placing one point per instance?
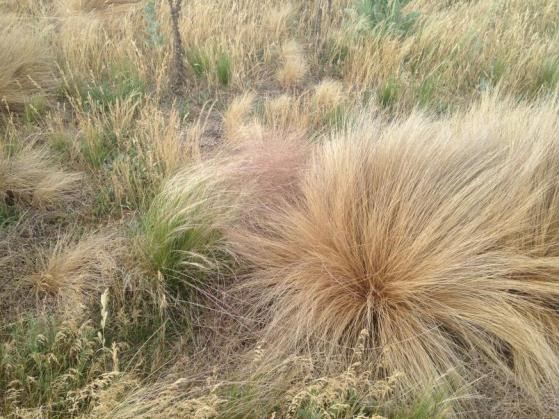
(28, 178)
(74, 273)
(294, 67)
(439, 238)
(27, 66)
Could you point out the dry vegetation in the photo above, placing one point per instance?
(347, 208)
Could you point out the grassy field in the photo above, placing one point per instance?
(312, 209)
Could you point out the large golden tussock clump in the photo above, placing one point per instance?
(439, 238)
(26, 66)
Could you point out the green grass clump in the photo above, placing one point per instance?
(388, 93)
(334, 55)
(119, 85)
(223, 68)
(547, 76)
(98, 147)
(426, 92)
(199, 60)
(61, 143)
(8, 213)
(388, 16)
(211, 64)
(181, 228)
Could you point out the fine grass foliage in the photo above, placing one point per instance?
(74, 272)
(180, 231)
(351, 253)
(199, 60)
(223, 68)
(211, 63)
(27, 71)
(235, 116)
(293, 65)
(29, 179)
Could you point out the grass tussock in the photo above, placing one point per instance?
(439, 238)
(29, 179)
(27, 71)
(74, 273)
(293, 65)
(234, 118)
(183, 224)
(328, 94)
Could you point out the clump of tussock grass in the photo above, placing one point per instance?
(440, 238)
(73, 273)
(276, 19)
(223, 68)
(236, 114)
(199, 60)
(328, 94)
(26, 69)
(181, 229)
(285, 112)
(330, 104)
(212, 63)
(288, 113)
(28, 178)
(294, 66)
